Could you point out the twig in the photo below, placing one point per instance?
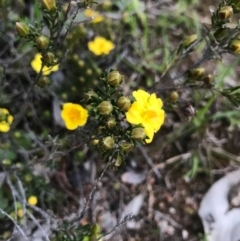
(149, 160)
(160, 215)
(173, 159)
(80, 213)
(16, 225)
(38, 224)
(128, 217)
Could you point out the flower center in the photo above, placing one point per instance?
(74, 114)
(102, 46)
(150, 114)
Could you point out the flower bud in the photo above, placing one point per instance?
(19, 165)
(234, 46)
(196, 74)
(114, 78)
(173, 96)
(126, 146)
(225, 12)
(111, 123)
(17, 134)
(108, 143)
(189, 40)
(123, 103)
(28, 178)
(138, 134)
(49, 4)
(88, 96)
(6, 162)
(94, 142)
(48, 58)
(43, 81)
(22, 29)
(42, 42)
(207, 80)
(105, 108)
(118, 161)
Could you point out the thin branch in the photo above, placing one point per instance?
(15, 223)
(128, 217)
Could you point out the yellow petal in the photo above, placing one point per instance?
(4, 127)
(150, 133)
(36, 64)
(155, 102)
(10, 119)
(4, 111)
(134, 114)
(141, 96)
(154, 118)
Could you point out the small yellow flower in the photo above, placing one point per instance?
(146, 110)
(32, 200)
(36, 64)
(74, 115)
(5, 120)
(100, 46)
(97, 18)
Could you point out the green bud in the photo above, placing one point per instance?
(123, 103)
(208, 79)
(6, 162)
(105, 108)
(196, 73)
(28, 178)
(49, 4)
(48, 58)
(225, 12)
(19, 165)
(88, 96)
(126, 146)
(234, 46)
(18, 205)
(118, 161)
(173, 96)
(189, 40)
(22, 29)
(114, 78)
(89, 72)
(138, 134)
(108, 143)
(111, 123)
(94, 142)
(43, 82)
(17, 134)
(42, 42)
(81, 63)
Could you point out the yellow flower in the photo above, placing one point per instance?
(74, 115)
(5, 120)
(32, 200)
(93, 14)
(146, 110)
(100, 46)
(36, 64)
